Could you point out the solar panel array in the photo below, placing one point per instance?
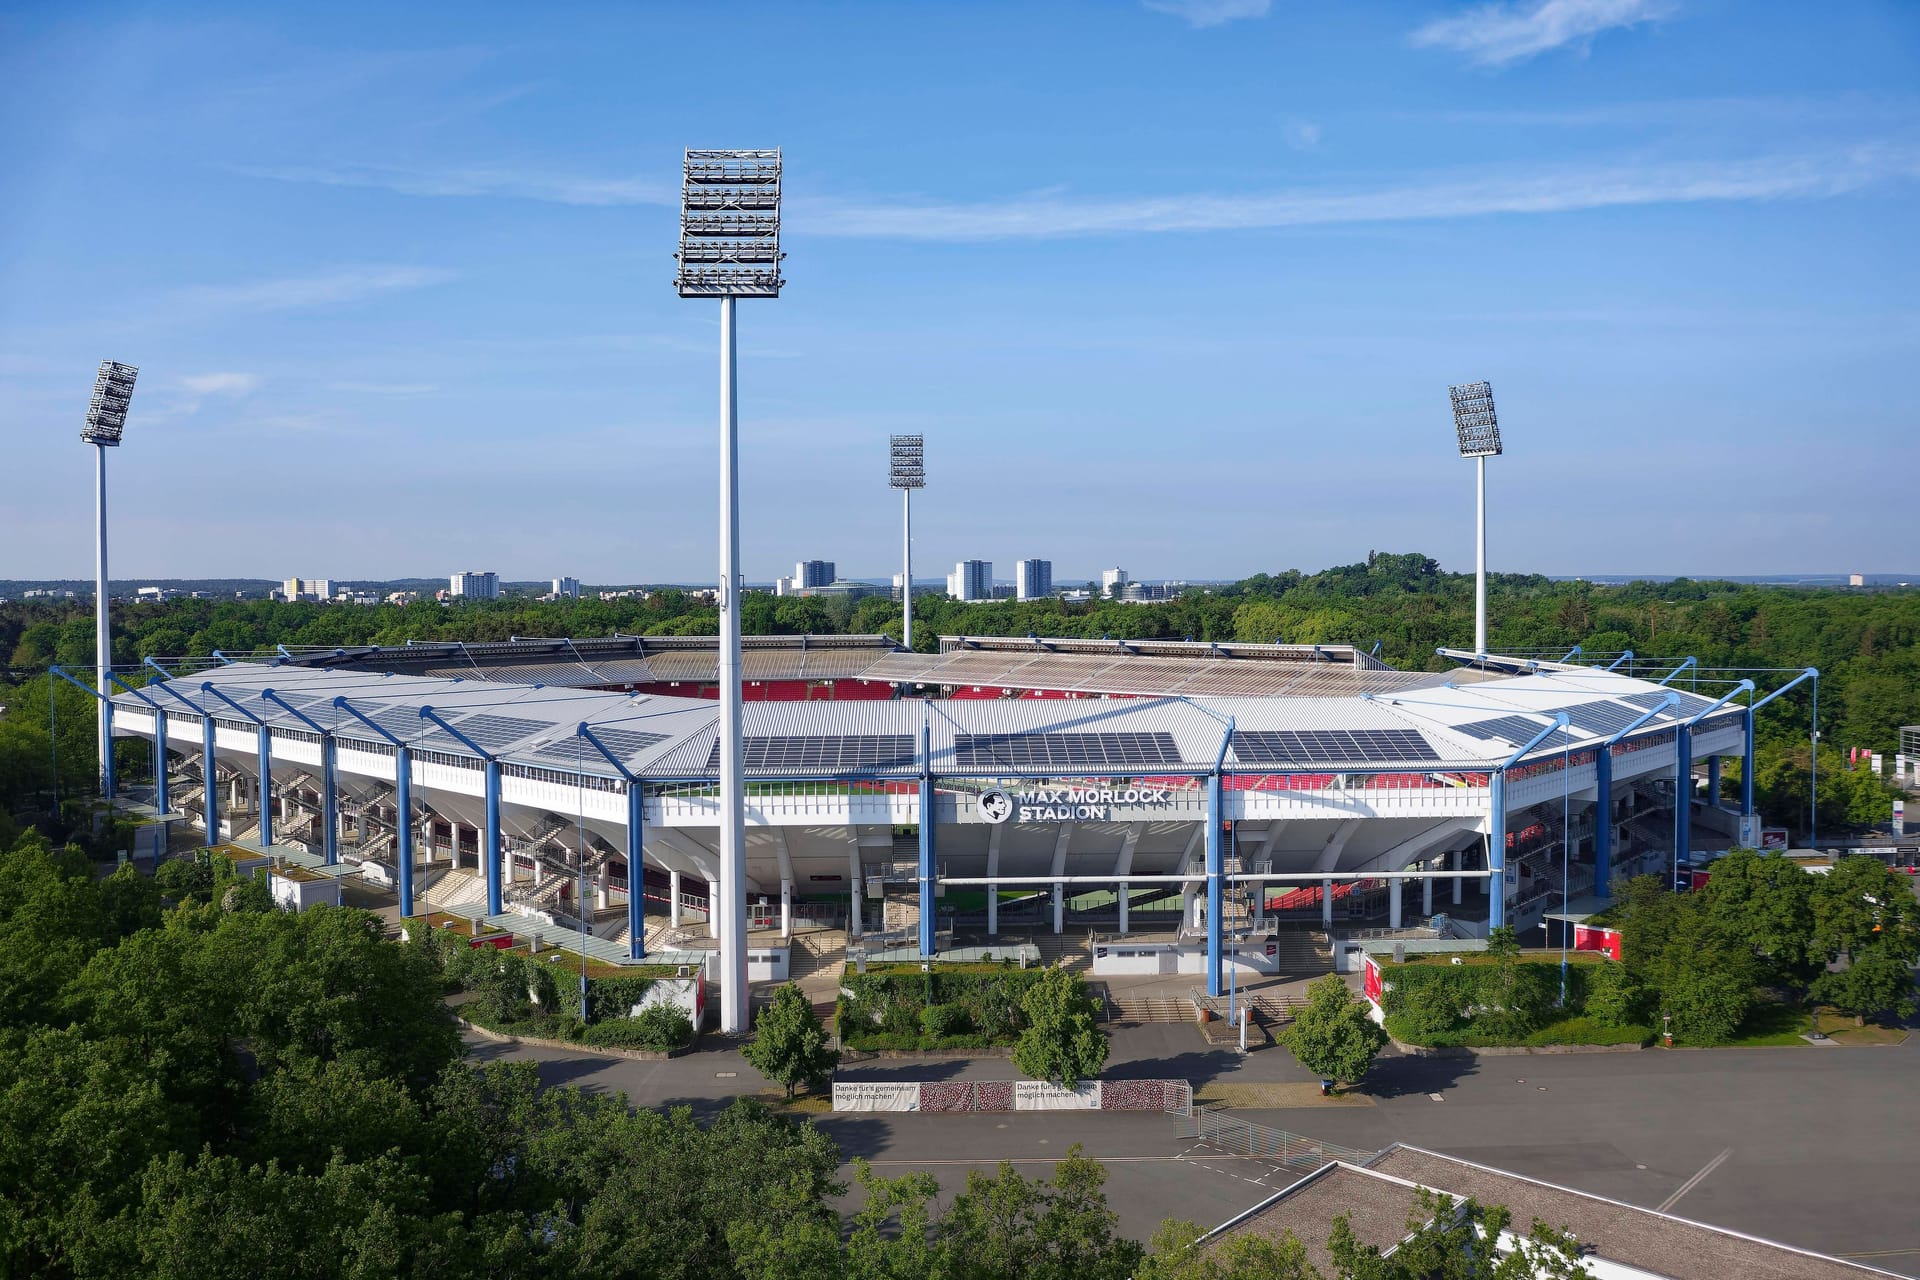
(1690, 703)
(1330, 746)
(625, 743)
(1601, 719)
(1074, 753)
(824, 754)
(496, 733)
(1515, 729)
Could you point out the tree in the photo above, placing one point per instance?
(1448, 1240)
(1062, 1041)
(789, 1044)
(1007, 1227)
(1876, 980)
(1333, 1036)
(1863, 903)
(1613, 998)
(1768, 899)
(1177, 1254)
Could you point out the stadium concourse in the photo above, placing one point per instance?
(1182, 800)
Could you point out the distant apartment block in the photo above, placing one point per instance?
(971, 580)
(814, 573)
(566, 588)
(1113, 582)
(307, 589)
(474, 586)
(1033, 579)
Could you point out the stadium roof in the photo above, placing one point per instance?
(1436, 726)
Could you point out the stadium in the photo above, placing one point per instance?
(1194, 807)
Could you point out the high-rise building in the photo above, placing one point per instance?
(971, 580)
(1033, 579)
(1113, 582)
(322, 588)
(814, 573)
(472, 585)
(292, 588)
(783, 586)
(566, 588)
(307, 589)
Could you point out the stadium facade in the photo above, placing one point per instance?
(1200, 792)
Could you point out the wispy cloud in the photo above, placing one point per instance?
(509, 182)
(293, 293)
(221, 384)
(385, 388)
(1210, 13)
(1302, 135)
(1499, 34)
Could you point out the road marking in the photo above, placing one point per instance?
(1879, 1253)
(1694, 1181)
(725, 1075)
(1436, 1097)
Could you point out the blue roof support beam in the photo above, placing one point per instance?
(209, 806)
(636, 847)
(1497, 825)
(1625, 657)
(263, 740)
(490, 853)
(1216, 869)
(329, 778)
(1603, 797)
(1683, 779)
(1684, 664)
(402, 805)
(1747, 811)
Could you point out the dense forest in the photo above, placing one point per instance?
(1863, 642)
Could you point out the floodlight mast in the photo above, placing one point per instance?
(730, 248)
(1479, 432)
(106, 423)
(906, 472)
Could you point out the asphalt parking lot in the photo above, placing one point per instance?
(1813, 1147)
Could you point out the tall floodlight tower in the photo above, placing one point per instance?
(106, 421)
(730, 248)
(907, 471)
(1479, 433)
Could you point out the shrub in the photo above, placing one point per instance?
(1063, 1041)
(943, 1020)
(1613, 999)
(660, 1029)
(1333, 1037)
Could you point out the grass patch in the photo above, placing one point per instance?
(1446, 958)
(1565, 1031)
(567, 964)
(1257, 1097)
(1768, 1023)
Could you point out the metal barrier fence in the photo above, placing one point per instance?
(1245, 1138)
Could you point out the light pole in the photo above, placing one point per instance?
(1479, 432)
(907, 471)
(730, 248)
(106, 422)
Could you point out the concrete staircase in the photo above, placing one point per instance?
(1068, 950)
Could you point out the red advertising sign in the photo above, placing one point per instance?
(1371, 979)
(1589, 938)
(1773, 837)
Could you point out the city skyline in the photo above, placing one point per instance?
(1229, 256)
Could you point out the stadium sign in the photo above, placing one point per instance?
(1067, 804)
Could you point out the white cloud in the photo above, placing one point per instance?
(1810, 176)
(292, 293)
(1302, 135)
(1499, 34)
(1210, 13)
(516, 183)
(386, 388)
(221, 384)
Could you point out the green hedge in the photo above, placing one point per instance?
(953, 1007)
(1488, 1004)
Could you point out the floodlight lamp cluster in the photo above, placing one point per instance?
(107, 411)
(730, 225)
(907, 458)
(1474, 421)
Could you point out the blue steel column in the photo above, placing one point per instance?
(1216, 886)
(329, 801)
(403, 812)
(106, 739)
(1682, 799)
(1603, 820)
(264, 736)
(209, 804)
(926, 842)
(1746, 769)
(491, 853)
(636, 871)
(159, 760)
(1497, 851)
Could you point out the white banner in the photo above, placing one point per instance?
(1043, 1095)
(876, 1096)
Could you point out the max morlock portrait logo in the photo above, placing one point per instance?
(1067, 804)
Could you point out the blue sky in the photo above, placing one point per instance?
(1176, 285)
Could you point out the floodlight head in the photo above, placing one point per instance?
(1473, 419)
(107, 411)
(730, 225)
(907, 462)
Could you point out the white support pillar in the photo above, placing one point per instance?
(853, 873)
(1059, 906)
(1060, 844)
(1394, 894)
(1122, 864)
(714, 909)
(601, 888)
(1326, 904)
(673, 898)
(1459, 884)
(786, 909)
(1426, 897)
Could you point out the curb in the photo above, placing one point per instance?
(1506, 1051)
(925, 1055)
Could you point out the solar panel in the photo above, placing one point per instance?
(625, 743)
(823, 754)
(1690, 703)
(1601, 718)
(497, 733)
(1330, 746)
(1514, 729)
(1065, 752)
